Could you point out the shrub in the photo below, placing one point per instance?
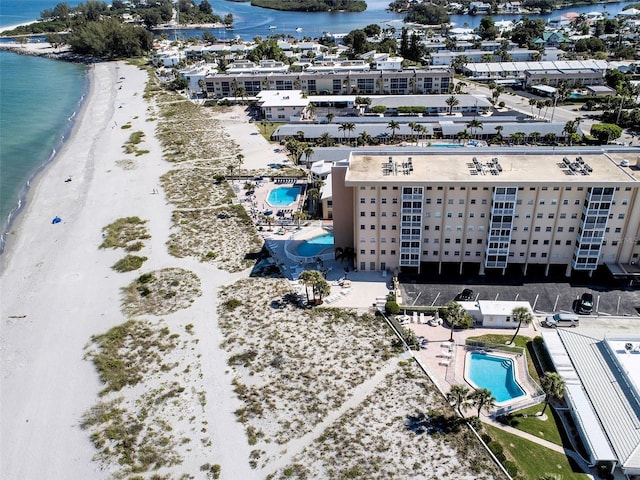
(511, 468)
(129, 263)
(605, 132)
(231, 304)
(392, 307)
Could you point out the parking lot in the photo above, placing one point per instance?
(544, 297)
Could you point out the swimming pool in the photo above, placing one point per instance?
(283, 196)
(494, 373)
(313, 246)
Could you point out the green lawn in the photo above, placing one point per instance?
(533, 460)
(527, 421)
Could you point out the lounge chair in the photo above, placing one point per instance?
(421, 317)
(414, 319)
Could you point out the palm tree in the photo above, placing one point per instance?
(570, 128)
(308, 151)
(473, 125)
(553, 386)
(330, 117)
(311, 110)
(455, 316)
(415, 127)
(520, 315)
(393, 126)
(499, 129)
(482, 399)
(365, 138)
(458, 397)
(240, 158)
(307, 277)
(535, 137)
(299, 216)
(517, 137)
(452, 102)
(313, 195)
(347, 127)
(326, 139)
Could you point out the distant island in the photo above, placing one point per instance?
(312, 5)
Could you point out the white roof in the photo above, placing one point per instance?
(490, 307)
(607, 388)
(282, 98)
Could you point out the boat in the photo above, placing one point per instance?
(272, 27)
(299, 29)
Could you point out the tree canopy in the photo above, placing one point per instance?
(427, 14)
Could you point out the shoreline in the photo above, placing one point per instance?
(57, 286)
(24, 195)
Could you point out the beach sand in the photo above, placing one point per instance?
(58, 289)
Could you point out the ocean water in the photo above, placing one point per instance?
(39, 99)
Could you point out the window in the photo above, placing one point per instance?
(479, 241)
(394, 214)
(545, 242)
(383, 227)
(439, 201)
(565, 202)
(618, 230)
(372, 252)
(538, 215)
(563, 216)
(548, 229)
(361, 227)
(468, 240)
(523, 242)
(568, 242)
(551, 216)
(543, 254)
(383, 201)
(428, 201)
(383, 252)
(614, 243)
(560, 229)
(449, 215)
(394, 227)
(450, 201)
(621, 216)
(533, 254)
(458, 240)
(362, 252)
(535, 242)
(537, 229)
(459, 214)
(542, 201)
(372, 227)
(447, 240)
(435, 252)
(362, 214)
(373, 214)
(557, 242)
(373, 200)
(383, 214)
(393, 252)
(395, 200)
(362, 200)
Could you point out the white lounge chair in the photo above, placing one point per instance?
(421, 317)
(414, 319)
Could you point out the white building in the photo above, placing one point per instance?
(602, 378)
(494, 314)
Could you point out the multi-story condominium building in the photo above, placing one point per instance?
(332, 81)
(560, 210)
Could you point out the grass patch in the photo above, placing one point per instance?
(131, 145)
(129, 263)
(528, 421)
(128, 353)
(123, 232)
(161, 292)
(532, 459)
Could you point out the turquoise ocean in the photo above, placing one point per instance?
(39, 100)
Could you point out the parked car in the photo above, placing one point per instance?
(561, 320)
(465, 295)
(585, 306)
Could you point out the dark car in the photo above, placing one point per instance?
(585, 306)
(465, 295)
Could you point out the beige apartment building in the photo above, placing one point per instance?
(566, 210)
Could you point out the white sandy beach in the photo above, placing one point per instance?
(58, 289)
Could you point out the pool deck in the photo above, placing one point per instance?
(445, 375)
